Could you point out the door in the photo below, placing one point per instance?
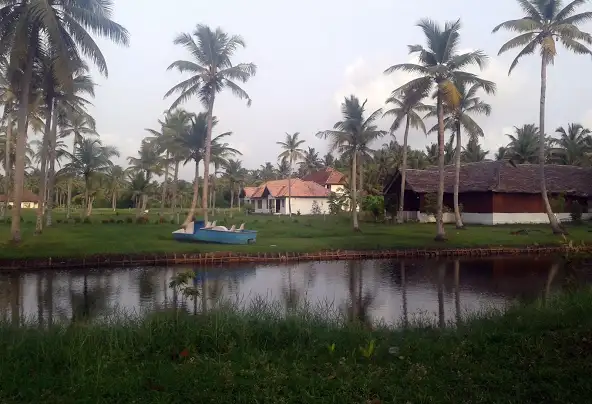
(277, 205)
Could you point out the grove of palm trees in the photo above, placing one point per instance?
(52, 145)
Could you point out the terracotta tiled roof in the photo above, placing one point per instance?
(496, 176)
(28, 196)
(248, 192)
(300, 189)
(326, 176)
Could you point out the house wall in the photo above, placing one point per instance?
(304, 205)
(492, 218)
(26, 205)
(338, 189)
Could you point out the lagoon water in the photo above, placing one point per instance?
(381, 290)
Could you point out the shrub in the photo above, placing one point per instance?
(59, 221)
(373, 204)
(315, 209)
(87, 220)
(142, 220)
(430, 204)
(249, 208)
(105, 221)
(558, 203)
(111, 220)
(576, 211)
(129, 220)
(120, 221)
(77, 220)
(161, 220)
(298, 212)
(336, 203)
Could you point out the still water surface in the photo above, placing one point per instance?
(381, 290)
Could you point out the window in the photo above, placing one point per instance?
(259, 204)
(328, 186)
(283, 203)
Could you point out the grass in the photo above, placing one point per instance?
(276, 234)
(531, 354)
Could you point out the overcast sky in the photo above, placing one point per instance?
(310, 54)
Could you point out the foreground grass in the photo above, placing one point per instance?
(532, 354)
(276, 234)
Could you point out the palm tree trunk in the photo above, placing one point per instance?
(459, 223)
(43, 172)
(189, 217)
(361, 175)
(238, 197)
(21, 142)
(114, 201)
(174, 186)
(7, 167)
(69, 198)
(403, 173)
(552, 219)
(91, 200)
(164, 184)
(52, 160)
(404, 295)
(86, 199)
(354, 194)
(204, 197)
(441, 234)
(441, 312)
(231, 196)
(457, 291)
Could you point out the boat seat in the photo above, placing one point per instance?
(189, 228)
(219, 228)
(233, 228)
(242, 227)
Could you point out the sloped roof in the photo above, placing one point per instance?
(28, 196)
(497, 176)
(300, 189)
(326, 176)
(248, 192)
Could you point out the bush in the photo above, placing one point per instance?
(87, 220)
(315, 209)
(576, 211)
(59, 221)
(111, 220)
(119, 221)
(142, 220)
(161, 220)
(77, 220)
(129, 220)
(373, 204)
(558, 203)
(336, 203)
(430, 204)
(249, 208)
(105, 221)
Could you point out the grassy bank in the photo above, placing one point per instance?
(531, 354)
(276, 234)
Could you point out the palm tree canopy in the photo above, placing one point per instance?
(291, 148)
(355, 131)
(573, 145)
(408, 104)
(64, 26)
(193, 141)
(90, 158)
(440, 64)
(211, 69)
(545, 22)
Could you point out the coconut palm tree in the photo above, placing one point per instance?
(291, 153)
(311, 161)
(283, 170)
(407, 106)
(545, 23)
(116, 182)
(441, 66)
(194, 144)
(63, 26)
(267, 172)
(457, 117)
(524, 145)
(501, 154)
(235, 174)
(220, 158)
(573, 145)
(149, 162)
(90, 160)
(211, 72)
(8, 99)
(473, 153)
(349, 135)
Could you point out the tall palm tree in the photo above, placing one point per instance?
(235, 174)
(63, 25)
(573, 145)
(194, 143)
(8, 99)
(546, 22)
(457, 117)
(328, 160)
(149, 162)
(89, 161)
(407, 106)
(221, 152)
(441, 66)
(211, 72)
(311, 161)
(116, 182)
(291, 153)
(349, 135)
(501, 154)
(267, 172)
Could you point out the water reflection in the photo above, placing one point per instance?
(402, 292)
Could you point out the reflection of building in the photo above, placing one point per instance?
(492, 192)
(29, 200)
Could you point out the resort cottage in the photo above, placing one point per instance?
(29, 201)
(308, 197)
(494, 192)
(246, 194)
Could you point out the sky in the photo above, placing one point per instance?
(310, 55)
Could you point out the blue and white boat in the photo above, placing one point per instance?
(196, 231)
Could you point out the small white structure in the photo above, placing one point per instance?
(307, 197)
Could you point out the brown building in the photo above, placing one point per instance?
(493, 192)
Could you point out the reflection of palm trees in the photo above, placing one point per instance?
(441, 275)
(360, 303)
(146, 287)
(550, 277)
(15, 302)
(457, 290)
(291, 293)
(404, 295)
(90, 303)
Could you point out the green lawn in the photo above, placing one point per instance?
(533, 354)
(276, 234)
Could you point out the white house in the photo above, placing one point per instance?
(246, 193)
(29, 200)
(307, 197)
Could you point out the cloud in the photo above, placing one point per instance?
(365, 79)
